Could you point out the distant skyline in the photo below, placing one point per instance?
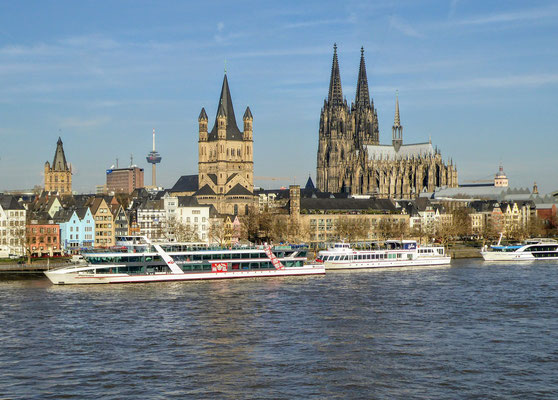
(479, 78)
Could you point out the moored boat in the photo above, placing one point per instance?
(181, 262)
(530, 250)
(395, 253)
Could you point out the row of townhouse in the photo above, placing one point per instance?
(501, 217)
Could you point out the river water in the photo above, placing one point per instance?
(471, 330)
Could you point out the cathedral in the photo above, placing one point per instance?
(351, 158)
(226, 167)
(58, 176)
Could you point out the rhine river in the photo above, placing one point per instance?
(468, 331)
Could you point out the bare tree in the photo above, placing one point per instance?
(181, 232)
(220, 232)
(444, 231)
(461, 221)
(352, 228)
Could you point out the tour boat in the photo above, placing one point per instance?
(152, 262)
(530, 250)
(396, 253)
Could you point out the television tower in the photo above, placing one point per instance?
(153, 158)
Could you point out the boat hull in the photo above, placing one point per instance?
(419, 262)
(77, 278)
(511, 256)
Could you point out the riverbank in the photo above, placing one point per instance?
(464, 252)
(28, 268)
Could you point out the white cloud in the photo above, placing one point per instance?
(522, 15)
(404, 27)
(77, 122)
(501, 82)
(306, 24)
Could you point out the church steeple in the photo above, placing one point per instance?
(335, 96)
(362, 94)
(225, 109)
(397, 129)
(59, 162)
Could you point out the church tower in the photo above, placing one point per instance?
(344, 133)
(225, 164)
(365, 115)
(58, 176)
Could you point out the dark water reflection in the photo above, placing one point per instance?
(468, 331)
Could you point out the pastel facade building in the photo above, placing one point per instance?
(43, 239)
(77, 229)
(104, 222)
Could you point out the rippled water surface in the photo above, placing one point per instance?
(471, 330)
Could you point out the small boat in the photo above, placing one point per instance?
(394, 253)
(530, 250)
(151, 262)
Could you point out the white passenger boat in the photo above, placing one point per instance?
(396, 253)
(530, 250)
(153, 262)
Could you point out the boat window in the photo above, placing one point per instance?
(336, 258)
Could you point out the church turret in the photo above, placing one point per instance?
(397, 129)
(221, 122)
(335, 96)
(202, 122)
(247, 118)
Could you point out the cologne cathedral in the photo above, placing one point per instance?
(351, 158)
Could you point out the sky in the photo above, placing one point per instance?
(479, 78)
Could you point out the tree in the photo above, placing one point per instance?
(250, 225)
(220, 232)
(461, 222)
(489, 231)
(352, 229)
(444, 231)
(180, 231)
(388, 229)
(536, 227)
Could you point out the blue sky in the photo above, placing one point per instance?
(479, 77)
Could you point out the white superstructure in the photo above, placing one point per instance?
(530, 250)
(395, 253)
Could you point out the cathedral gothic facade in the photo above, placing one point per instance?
(351, 158)
(225, 166)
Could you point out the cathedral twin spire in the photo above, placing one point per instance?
(362, 98)
(335, 96)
